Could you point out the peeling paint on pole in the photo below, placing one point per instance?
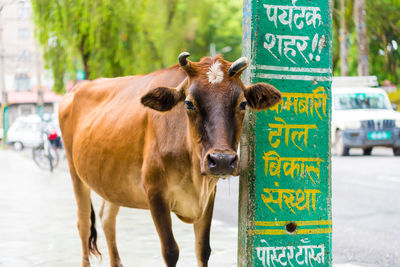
(285, 185)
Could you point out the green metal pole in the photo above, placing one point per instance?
(2, 126)
(4, 117)
(285, 214)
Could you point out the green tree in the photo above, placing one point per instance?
(362, 37)
(109, 38)
(384, 37)
(383, 33)
(343, 35)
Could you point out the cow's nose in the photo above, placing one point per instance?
(221, 163)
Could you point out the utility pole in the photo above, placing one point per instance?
(285, 194)
(362, 38)
(4, 95)
(214, 52)
(40, 101)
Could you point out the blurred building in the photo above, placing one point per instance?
(22, 67)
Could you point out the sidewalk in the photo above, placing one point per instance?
(38, 224)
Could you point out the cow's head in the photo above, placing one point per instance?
(215, 100)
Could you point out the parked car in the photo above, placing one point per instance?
(363, 117)
(25, 132)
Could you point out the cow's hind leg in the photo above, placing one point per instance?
(108, 215)
(86, 218)
(202, 234)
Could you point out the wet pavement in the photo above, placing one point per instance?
(38, 224)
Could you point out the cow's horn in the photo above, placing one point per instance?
(237, 66)
(183, 62)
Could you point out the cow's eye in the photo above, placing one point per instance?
(242, 105)
(189, 105)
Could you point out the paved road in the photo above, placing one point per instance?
(366, 208)
(38, 221)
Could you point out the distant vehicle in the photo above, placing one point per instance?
(25, 132)
(363, 117)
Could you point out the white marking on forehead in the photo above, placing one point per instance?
(215, 74)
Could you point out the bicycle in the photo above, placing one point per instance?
(45, 155)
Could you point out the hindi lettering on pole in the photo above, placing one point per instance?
(285, 214)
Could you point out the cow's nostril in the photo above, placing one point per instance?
(211, 161)
(233, 162)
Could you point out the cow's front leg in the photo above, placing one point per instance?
(162, 219)
(202, 234)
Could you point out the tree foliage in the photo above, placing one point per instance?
(107, 38)
(383, 28)
(336, 28)
(384, 33)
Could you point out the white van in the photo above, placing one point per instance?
(362, 116)
(25, 132)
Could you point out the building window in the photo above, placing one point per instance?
(22, 82)
(24, 56)
(23, 13)
(23, 33)
(26, 110)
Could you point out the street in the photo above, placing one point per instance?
(38, 217)
(366, 210)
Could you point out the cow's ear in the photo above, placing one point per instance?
(162, 98)
(261, 96)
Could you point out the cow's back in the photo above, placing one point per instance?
(106, 130)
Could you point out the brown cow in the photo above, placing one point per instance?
(158, 141)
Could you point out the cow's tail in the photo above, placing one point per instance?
(93, 234)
